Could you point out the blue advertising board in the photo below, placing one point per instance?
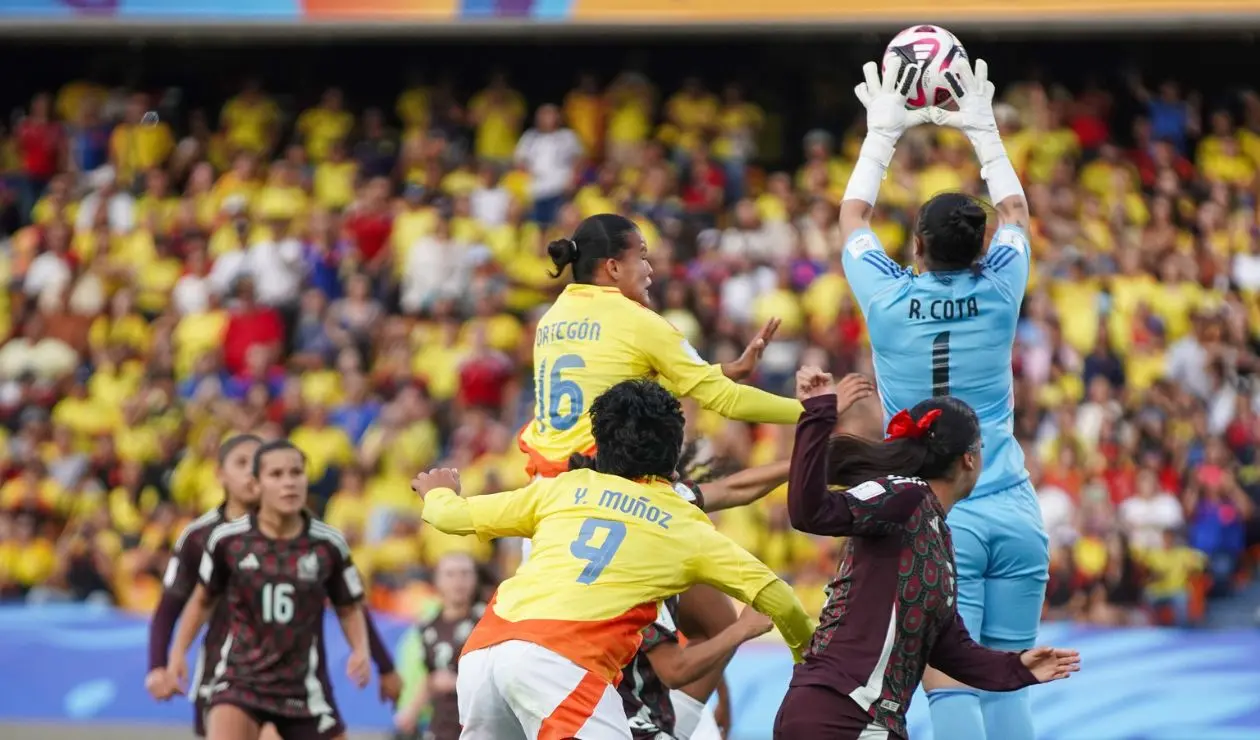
(79, 664)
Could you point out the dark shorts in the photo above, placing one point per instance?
(199, 716)
(289, 728)
(818, 713)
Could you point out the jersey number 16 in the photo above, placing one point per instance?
(550, 388)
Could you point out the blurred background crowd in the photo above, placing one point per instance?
(361, 271)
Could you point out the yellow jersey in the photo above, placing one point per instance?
(592, 338)
(606, 551)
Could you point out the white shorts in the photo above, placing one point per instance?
(693, 720)
(518, 690)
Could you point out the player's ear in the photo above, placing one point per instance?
(918, 246)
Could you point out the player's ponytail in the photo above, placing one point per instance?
(951, 227)
(598, 238)
(924, 442)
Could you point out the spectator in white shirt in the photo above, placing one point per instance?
(550, 154)
(191, 294)
(435, 271)
(1247, 268)
(119, 206)
(490, 201)
(1150, 512)
(277, 267)
(51, 267)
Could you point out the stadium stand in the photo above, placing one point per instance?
(365, 280)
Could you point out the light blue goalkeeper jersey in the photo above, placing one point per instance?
(948, 333)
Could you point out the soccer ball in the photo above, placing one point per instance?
(936, 51)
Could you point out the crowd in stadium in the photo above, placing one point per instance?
(366, 282)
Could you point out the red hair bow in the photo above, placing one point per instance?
(902, 426)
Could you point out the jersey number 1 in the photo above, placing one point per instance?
(597, 558)
(551, 388)
(940, 364)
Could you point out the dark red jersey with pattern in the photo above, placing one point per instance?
(178, 583)
(645, 697)
(891, 607)
(275, 592)
(443, 640)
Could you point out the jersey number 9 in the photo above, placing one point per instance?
(599, 557)
(551, 389)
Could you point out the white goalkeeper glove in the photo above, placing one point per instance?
(886, 120)
(974, 117)
(885, 102)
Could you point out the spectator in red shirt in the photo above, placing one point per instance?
(39, 140)
(485, 376)
(249, 324)
(369, 225)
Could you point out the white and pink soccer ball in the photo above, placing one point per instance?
(936, 51)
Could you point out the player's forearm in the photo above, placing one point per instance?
(778, 601)
(354, 626)
(196, 612)
(812, 507)
(162, 628)
(963, 659)
(744, 487)
(380, 653)
(446, 510)
(684, 665)
(1005, 189)
(719, 393)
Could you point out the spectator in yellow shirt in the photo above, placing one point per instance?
(631, 104)
(738, 124)
(137, 146)
(692, 113)
(1171, 568)
(250, 120)
(497, 113)
(586, 112)
(325, 124)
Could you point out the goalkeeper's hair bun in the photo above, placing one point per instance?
(952, 227)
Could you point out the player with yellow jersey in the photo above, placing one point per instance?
(608, 546)
(600, 332)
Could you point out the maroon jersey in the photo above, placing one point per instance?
(643, 694)
(443, 641)
(275, 590)
(178, 583)
(891, 606)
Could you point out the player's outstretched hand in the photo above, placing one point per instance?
(885, 100)
(359, 669)
(436, 478)
(391, 687)
(812, 382)
(852, 388)
(1051, 664)
(754, 623)
(747, 362)
(974, 94)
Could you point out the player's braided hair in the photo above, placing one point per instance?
(638, 429)
(954, 432)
